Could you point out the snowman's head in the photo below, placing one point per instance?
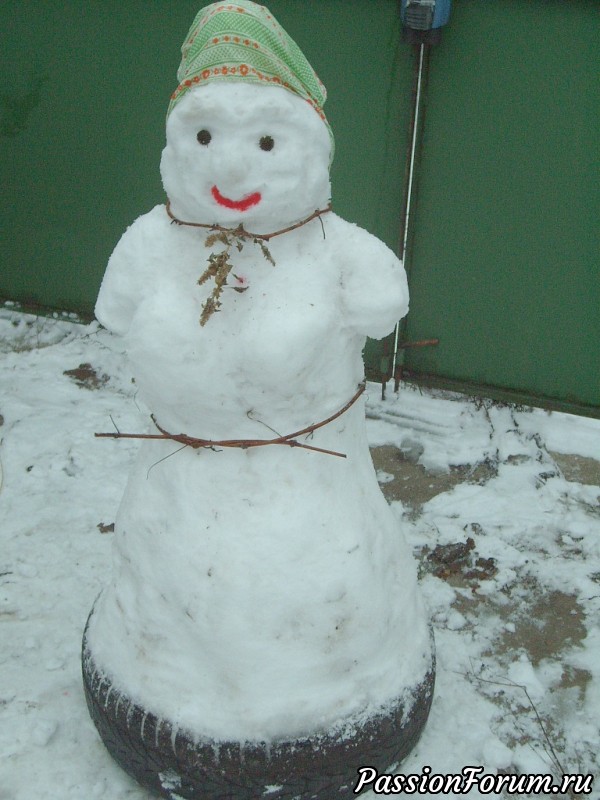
(244, 153)
(247, 139)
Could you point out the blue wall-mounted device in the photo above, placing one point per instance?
(422, 20)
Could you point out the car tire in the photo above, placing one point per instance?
(175, 765)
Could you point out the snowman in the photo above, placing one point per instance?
(262, 591)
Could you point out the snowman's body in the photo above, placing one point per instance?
(259, 593)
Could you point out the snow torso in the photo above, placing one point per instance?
(290, 341)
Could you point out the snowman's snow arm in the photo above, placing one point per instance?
(123, 283)
(374, 285)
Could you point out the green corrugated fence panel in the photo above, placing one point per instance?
(505, 254)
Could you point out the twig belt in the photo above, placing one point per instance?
(290, 440)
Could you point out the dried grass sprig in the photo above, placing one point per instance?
(220, 265)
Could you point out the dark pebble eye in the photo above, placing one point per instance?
(267, 143)
(204, 137)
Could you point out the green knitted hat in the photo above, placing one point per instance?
(243, 41)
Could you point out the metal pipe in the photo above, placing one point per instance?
(409, 180)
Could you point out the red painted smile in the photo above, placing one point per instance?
(237, 205)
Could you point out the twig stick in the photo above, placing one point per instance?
(239, 231)
(288, 440)
(511, 684)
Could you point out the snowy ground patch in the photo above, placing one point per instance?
(509, 553)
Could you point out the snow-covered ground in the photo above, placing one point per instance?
(515, 609)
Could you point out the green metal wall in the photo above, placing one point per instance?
(504, 253)
(84, 87)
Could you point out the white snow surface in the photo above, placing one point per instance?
(61, 489)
